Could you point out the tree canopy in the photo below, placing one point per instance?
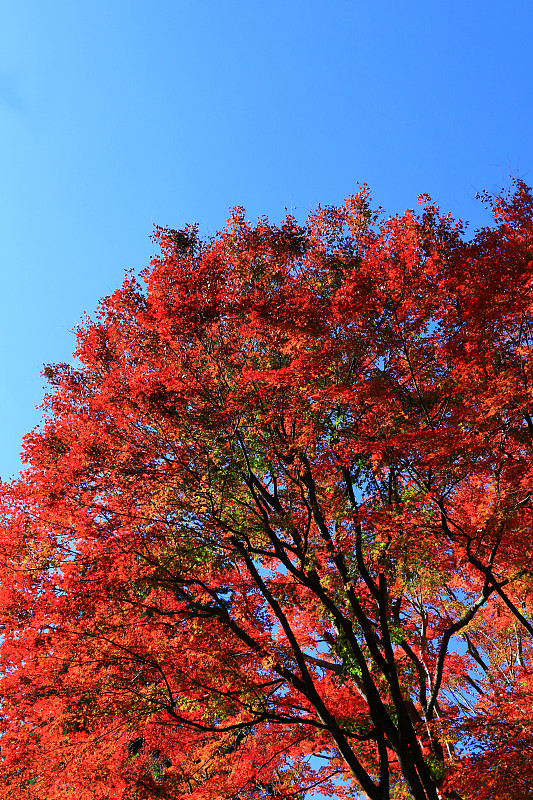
(273, 535)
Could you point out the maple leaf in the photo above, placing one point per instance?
(282, 508)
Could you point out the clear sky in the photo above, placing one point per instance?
(117, 115)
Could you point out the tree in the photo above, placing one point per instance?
(281, 508)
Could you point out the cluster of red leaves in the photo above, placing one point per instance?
(280, 508)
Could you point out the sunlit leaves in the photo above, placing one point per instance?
(281, 508)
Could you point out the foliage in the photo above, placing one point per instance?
(281, 508)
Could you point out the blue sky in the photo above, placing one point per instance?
(115, 116)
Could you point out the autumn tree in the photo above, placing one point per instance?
(273, 534)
